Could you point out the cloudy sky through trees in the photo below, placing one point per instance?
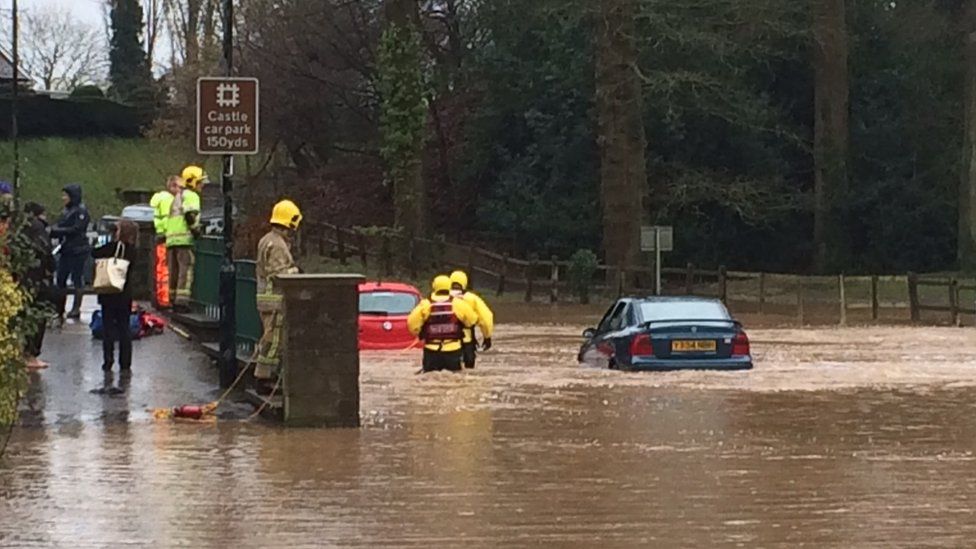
(90, 13)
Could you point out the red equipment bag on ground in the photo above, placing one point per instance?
(152, 324)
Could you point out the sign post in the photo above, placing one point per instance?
(657, 239)
(227, 124)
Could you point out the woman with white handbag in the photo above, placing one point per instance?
(115, 295)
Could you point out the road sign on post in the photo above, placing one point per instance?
(228, 123)
(657, 239)
(228, 115)
(652, 235)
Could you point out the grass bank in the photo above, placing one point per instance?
(101, 166)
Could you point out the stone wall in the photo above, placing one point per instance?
(320, 355)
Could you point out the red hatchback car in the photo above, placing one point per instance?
(383, 310)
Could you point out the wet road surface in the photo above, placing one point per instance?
(844, 438)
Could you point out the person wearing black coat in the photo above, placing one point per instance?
(39, 276)
(117, 307)
(72, 230)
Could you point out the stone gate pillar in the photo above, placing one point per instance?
(320, 350)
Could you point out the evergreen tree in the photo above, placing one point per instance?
(129, 68)
(403, 116)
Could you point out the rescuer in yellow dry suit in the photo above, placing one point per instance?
(440, 322)
(486, 319)
(274, 258)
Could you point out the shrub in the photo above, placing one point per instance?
(582, 267)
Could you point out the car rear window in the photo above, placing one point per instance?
(683, 310)
(138, 213)
(386, 303)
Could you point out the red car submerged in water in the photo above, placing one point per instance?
(383, 310)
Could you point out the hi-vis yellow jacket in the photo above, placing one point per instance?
(161, 203)
(178, 231)
(486, 318)
(421, 314)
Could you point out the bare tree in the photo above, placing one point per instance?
(60, 50)
(155, 21)
(192, 26)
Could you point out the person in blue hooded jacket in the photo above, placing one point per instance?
(72, 231)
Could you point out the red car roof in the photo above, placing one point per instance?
(388, 287)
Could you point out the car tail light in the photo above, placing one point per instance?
(740, 347)
(641, 345)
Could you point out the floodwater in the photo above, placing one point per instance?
(861, 437)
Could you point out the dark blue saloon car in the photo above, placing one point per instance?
(667, 333)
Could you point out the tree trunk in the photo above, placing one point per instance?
(967, 185)
(831, 134)
(192, 38)
(620, 133)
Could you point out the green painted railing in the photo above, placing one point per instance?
(206, 291)
(248, 322)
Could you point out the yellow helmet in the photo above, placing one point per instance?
(193, 177)
(460, 278)
(441, 284)
(286, 214)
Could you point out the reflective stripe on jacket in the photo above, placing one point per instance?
(178, 231)
(273, 258)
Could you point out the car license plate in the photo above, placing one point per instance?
(694, 346)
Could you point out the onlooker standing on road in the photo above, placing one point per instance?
(39, 276)
(72, 230)
(6, 205)
(117, 308)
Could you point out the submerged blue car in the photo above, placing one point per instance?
(667, 333)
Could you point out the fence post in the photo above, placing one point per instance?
(875, 304)
(800, 298)
(412, 257)
(723, 284)
(843, 300)
(302, 244)
(322, 244)
(690, 279)
(387, 257)
(913, 297)
(762, 293)
(554, 281)
(363, 256)
(954, 301)
(621, 282)
(529, 283)
(502, 276)
(471, 252)
(341, 246)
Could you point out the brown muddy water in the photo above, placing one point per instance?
(861, 437)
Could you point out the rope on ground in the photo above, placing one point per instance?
(266, 401)
(206, 412)
(180, 332)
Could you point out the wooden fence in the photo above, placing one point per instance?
(904, 297)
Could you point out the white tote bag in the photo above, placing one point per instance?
(111, 272)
